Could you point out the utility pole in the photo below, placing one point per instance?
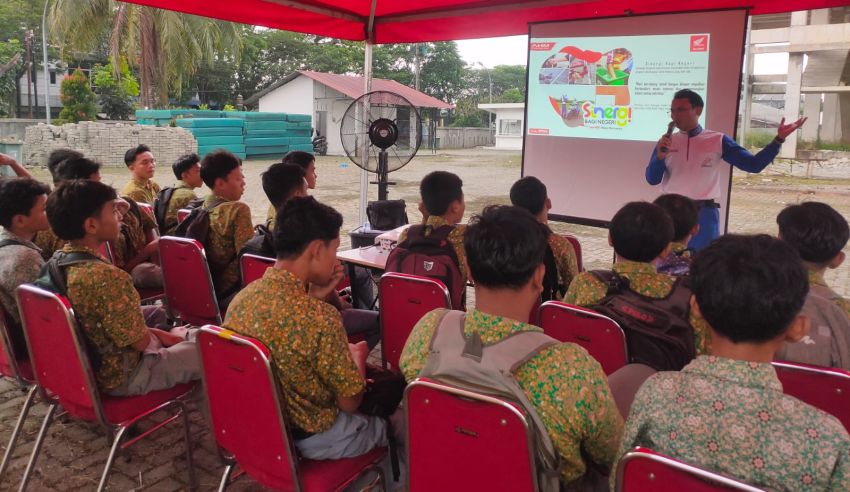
(490, 100)
(44, 58)
(417, 64)
(28, 45)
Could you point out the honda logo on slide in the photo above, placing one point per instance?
(699, 42)
(428, 265)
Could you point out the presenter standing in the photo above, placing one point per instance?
(690, 161)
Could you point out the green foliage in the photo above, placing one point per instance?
(821, 145)
(115, 93)
(466, 113)
(78, 100)
(758, 138)
(510, 96)
(229, 107)
(442, 72)
(204, 107)
(8, 51)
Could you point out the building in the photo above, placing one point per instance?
(510, 123)
(55, 75)
(326, 96)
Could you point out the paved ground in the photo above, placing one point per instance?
(74, 453)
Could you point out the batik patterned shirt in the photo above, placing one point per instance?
(48, 242)
(183, 194)
(230, 229)
(455, 238)
(816, 278)
(587, 290)
(565, 259)
(731, 417)
(107, 305)
(141, 191)
(134, 235)
(567, 387)
(19, 264)
(307, 342)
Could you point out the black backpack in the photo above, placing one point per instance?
(658, 332)
(430, 256)
(552, 290)
(196, 225)
(262, 244)
(52, 278)
(160, 206)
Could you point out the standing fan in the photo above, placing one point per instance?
(381, 132)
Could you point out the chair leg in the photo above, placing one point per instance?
(225, 477)
(193, 481)
(16, 432)
(116, 442)
(48, 418)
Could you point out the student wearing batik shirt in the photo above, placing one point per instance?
(727, 412)
(187, 170)
(685, 215)
(142, 166)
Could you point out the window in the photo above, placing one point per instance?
(52, 78)
(510, 127)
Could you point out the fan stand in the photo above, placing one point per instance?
(383, 175)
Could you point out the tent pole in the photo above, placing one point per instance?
(367, 87)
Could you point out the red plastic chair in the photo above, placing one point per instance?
(405, 299)
(246, 409)
(252, 267)
(146, 296)
(825, 388)
(20, 370)
(461, 440)
(65, 377)
(600, 335)
(644, 470)
(182, 214)
(146, 208)
(577, 247)
(188, 285)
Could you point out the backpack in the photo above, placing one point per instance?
(676, 264)
(160, 206)
(52, 278)
(552, 290)
(197, 224)
(467, 363)
(658, 333)
(262, 244)
(430, 256)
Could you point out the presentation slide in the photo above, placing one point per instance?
(614, 87)
(599, 96)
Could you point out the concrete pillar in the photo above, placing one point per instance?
(811, 110)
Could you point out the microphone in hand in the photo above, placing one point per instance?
(670, 127)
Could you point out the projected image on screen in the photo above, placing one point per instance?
(615, 87)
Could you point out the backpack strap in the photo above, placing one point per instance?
(10, 242)
(679, 298)
(160, 206)
(616, 283)
(55, 267)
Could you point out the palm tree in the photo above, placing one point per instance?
(164, 46)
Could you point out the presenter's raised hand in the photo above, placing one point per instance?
(784, 130)
(663, 147)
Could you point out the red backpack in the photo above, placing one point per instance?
(430, 256)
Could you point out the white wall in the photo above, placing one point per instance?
(513, 141)
(296, 96)
(55, 101)
(335, 103)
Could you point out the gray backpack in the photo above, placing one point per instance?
(828, 341)
(465, 362)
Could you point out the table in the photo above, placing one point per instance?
(371, 257)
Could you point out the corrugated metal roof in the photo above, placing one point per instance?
(352, 86)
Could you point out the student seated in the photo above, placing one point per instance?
(530, 193)
(230, 220)
(307, 162)
(22, 202)
(819, 233)
(280, 183)
(726, 411)
(566, 388)
(320, 381)
(685, 215)
(640, 233)
(142, 165)
(56, 156)
(187, 170)
(134, 359)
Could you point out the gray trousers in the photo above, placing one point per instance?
(162, 369)
(352, 434)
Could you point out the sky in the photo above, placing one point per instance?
(513, 50)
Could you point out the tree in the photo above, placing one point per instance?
(510, 96)
(442, 73)
(115, 94)
(166, 46)
(78, 100)
(11, 66)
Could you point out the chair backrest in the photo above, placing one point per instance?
(460, 440)
(253, 267)
(187, 281)
(8, 361)
(146, 208)
(601, 336)
(643, 470)
(825, 388)
(57, 353)
(246, 406)
(106, 251)
(404, 300)
(182, 214)
(577, 247)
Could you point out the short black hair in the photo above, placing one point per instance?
(816, 230)
(280, 181)
(184, 163)
(682, 210)
(530, 194)
(504, 246)
(131, 154)
(299, 157)
(749, 288)
(694, 98)
(58, 155)
(75, 168)
(439, 189)
(72, 202)
(301, 221)
(640, 231)
(18, 197)
(218, 164)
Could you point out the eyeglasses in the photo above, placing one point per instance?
(680, 110)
